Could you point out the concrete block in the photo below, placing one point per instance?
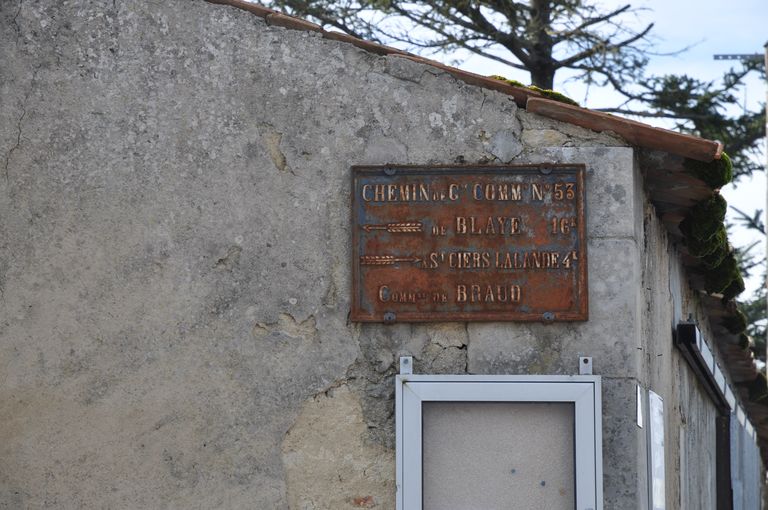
(611, 185)
(610, 336)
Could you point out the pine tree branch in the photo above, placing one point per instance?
(751, 222)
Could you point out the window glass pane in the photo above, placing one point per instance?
(498, 455)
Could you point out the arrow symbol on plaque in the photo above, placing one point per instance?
(385, 260)
(396, 228)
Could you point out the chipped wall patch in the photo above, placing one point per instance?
(272, 139)
(328, 462)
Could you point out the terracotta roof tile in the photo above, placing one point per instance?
(279, 19)
(632, 131)
(256, 9)
(378, 49)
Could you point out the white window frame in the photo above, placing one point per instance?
(584, 391)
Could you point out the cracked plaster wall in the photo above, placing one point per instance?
(174, 260)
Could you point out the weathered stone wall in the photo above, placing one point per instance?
(174, 255)
(689, 411)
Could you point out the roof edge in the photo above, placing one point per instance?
(634, 132)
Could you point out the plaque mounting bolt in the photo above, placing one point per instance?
(585, 365)
(406, 364)
(390, 316)
(548, 316)
(390, 171)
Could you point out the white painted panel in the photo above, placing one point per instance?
(656, 433)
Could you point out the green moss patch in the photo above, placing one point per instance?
(514, 83)
(720, 278)
(736, 323)
(554, 96)
(705, 219)
(549, 94)
(714, 258)
(707, 240)
(711, 250)
(715, 174)
(734, 288)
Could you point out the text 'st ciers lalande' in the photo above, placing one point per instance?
(478, 242)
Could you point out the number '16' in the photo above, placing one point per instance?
(563, 225)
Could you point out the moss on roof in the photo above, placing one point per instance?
(734, 288)
(549, 94)
(705, 237)
(514, 83)
(705, 220)
(737, 323)
(717, 173)
(719, 279)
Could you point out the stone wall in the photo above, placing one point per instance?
(174, 261)
(689, 411)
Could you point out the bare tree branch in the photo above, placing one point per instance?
(561, 36)
(603, 49)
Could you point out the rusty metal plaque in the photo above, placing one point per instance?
(458, 243)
